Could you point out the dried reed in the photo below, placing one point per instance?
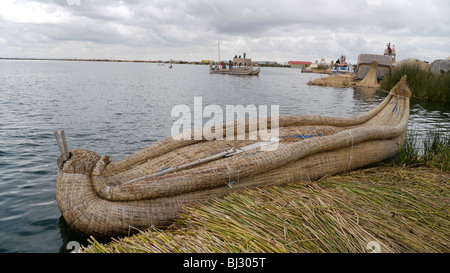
(402, 209)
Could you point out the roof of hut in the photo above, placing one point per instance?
(382, 60)
(421, 64)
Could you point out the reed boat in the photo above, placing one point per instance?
(150, 187)
(239, 66)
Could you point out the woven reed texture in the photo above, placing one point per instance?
(106, 199)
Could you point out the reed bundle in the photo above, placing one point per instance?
(370, 80)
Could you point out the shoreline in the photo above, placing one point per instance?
(338, 81)
(100, 60)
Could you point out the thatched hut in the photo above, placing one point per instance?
(242, 62)
(365, 61)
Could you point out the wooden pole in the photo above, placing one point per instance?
(66, 149)
(181, 167)
(218, 47)
(61, 149)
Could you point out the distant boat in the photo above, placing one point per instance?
(239, 66)
(341, 68)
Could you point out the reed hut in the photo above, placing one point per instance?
(242, 62)
(365, 62)
(411, 61)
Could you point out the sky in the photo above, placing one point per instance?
(266, 30)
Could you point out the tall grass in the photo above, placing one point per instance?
(423, 84)
(437, 150)
(431, 150)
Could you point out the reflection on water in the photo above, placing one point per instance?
(118, 108)
(425, 115)
(367, 94)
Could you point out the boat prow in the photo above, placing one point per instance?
(256, 71)
(149, 188)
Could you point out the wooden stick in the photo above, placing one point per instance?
(181, 167)
(207, 159)
(61, 150)
(66, 149)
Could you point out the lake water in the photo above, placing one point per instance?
(116, 109)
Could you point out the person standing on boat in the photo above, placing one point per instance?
(338, 62)
(230, 64)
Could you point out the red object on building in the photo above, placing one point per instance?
(299, 63)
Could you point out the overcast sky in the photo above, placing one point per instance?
(280, 30)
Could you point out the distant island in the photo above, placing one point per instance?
(96, 60)
(203, 62)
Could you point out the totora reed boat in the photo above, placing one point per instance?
(149, 188)
(239, 66)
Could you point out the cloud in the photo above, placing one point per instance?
(31, 12)
(280, 30)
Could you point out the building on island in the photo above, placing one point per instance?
(299, 64)
(384, 65)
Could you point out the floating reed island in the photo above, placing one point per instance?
(150, 187)
(348, 80)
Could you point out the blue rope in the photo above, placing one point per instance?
(163, 170)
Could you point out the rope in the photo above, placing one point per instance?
(230, 183)
(398, 96)
(351, 149)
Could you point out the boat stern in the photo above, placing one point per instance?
(74, 190)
